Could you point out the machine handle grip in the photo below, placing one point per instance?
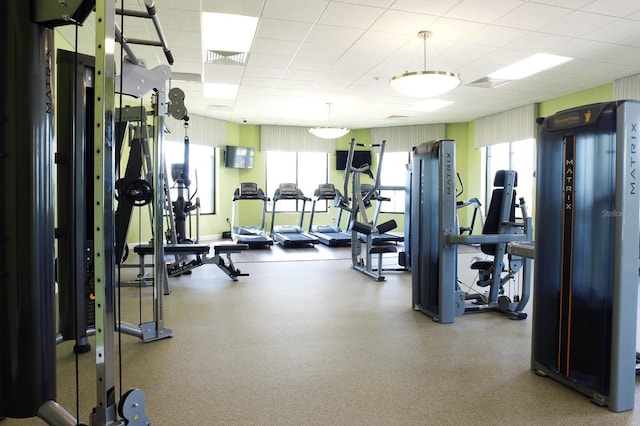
(169, 56)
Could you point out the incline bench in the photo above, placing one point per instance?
(181, 251)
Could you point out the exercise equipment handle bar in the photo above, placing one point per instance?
(367, 167)
(376, 184)
(150, 14)
(125, 45)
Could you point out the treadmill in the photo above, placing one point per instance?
(330, 235)
(252, 236)
(290, 235)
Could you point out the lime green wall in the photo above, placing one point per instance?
(602, 93)
(248, 214)
(469, 164)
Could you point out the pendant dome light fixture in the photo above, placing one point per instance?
(425, 84)
(329, 132)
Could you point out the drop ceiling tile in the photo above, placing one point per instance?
(375, 3)
(532, 16)
(577, 24)
(538, 42)
(437, 8)
(303, 75)
(263, 72)
(570, 4)
(267, 46)
(462, 54)
(294, 84)
(475, 11)
(619, 8)
(268, 61)
(401, 22)
(310, 63)
(244, 7)
(452, 29)
(279, 29)
(300, 11)
(625, 55)
(179, 19)
(175, 4)
(338, 37)
(495, 36)
(580, 48)
(254, 82)
(350, 15)
(615, 32)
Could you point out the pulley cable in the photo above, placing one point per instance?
(118, 218)
(74, 113)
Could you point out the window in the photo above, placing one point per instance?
(518, 156)
(201, 172)
(306, 169)
(393, 181)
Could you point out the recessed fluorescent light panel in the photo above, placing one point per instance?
(430, 105)
(226, 32)
(529, 66)
(220, 91)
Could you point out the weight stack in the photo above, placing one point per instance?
(586, 250)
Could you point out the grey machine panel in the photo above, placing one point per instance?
(586, 250)
(434, 263)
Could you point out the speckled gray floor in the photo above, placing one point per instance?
(317, 343)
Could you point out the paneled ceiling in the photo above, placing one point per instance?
(307, 53)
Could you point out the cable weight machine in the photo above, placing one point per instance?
(27, 355)
(436, 234)
(360, 224)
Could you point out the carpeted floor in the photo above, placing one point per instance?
(313, 342)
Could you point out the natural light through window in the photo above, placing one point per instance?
(305, 169)
(201, 172)
(393, 181)
(518, 156)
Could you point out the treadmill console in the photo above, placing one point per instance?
(326, 190)
(288, 189)
(248, 189)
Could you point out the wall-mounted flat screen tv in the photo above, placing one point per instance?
(238, 157)
(360, 158)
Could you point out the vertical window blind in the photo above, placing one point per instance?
(404, 138)
(293, 139)
(202, 130)
(507, 126)
(627, 88)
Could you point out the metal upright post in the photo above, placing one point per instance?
(159, 199)
(104, 230)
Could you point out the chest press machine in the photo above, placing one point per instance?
(435, 236)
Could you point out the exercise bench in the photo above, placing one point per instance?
(200, 251)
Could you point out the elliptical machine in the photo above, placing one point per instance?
(183, 205)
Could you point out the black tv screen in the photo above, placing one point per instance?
(238, 157)
(360, 158)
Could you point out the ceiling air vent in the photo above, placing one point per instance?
(489, 83)
(397, 116)
(221, 57)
